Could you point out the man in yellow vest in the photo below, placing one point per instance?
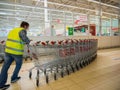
(14, 50)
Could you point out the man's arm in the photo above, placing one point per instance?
(23, 36)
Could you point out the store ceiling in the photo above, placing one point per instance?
(12, 13)
(111, 2)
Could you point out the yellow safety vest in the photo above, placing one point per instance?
(14, 44)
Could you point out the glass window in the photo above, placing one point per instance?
(106, 27)
(115, 29)
(57, 24)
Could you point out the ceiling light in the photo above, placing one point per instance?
(3, 13)
(18, 18)
(103, 4)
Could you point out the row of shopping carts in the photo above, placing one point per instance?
(61, 58)
(57, 57)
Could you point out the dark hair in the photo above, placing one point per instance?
(23, 24)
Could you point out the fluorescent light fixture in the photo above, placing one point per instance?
(18, 18)
(13, 10)
(37, 0)
(3, 13)
(103, 4)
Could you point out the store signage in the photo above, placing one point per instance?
(81, 18)
(70, 30)
(58, 21)
(115, 29)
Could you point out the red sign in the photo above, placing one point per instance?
(58, 21)
(115, 29)
(82, 18)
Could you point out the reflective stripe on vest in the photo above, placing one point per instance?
(15, 49)
(15, 41)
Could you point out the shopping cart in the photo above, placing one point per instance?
(45, 54)
(61, 57)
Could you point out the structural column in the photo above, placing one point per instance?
(46, 20)
(119, 18)
(88, 21)
(100, 20)
(111, 33)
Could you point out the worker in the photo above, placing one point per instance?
(53, 31)
(14, 50)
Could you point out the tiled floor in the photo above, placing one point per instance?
(102, 74)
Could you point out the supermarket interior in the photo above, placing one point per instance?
(59, 44)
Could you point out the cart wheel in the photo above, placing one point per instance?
(37, 82)
(2, 61)
(96, 56)
(57, 69)
(62, 74)
(67, 71)
(31, 59)
(45, 72)
(30, 74)
(88, 61)
(51, 70)
(84, 63)
(72, 68)
(38, 72)
(47, 79)
(92, 59)
(26, 59)
(80, 65)
(77, 67)
(55, 76)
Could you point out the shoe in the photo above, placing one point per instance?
(15, 80)
(4, 87)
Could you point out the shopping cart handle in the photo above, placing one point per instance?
(2, 42)
(52, 42)
(47, 42)
(38, 42)
(43, 43)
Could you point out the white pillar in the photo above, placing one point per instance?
(64, 24)
(100, 18)
(119, 18)
(47, 22)
(46, 11)
(111, 32)
(88, 22)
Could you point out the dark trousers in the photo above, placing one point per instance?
(9, 58)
